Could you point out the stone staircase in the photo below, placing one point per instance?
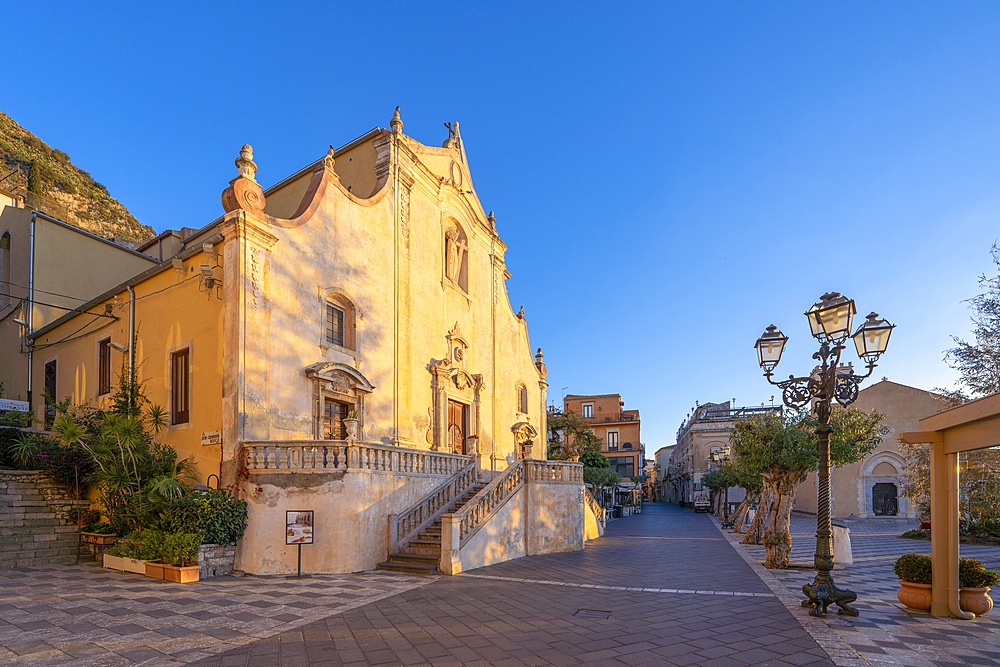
(422, 554)
(33, 527)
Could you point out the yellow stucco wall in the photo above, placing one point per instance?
(70, 267)
(172, 311)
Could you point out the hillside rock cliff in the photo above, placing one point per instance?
(50, 183)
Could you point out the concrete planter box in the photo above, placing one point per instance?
(124, 564)
(181, 574)
(99, 539)
(153, 569)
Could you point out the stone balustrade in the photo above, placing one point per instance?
(554, 471)
(475, 513)
(276, 456)
(407, 523)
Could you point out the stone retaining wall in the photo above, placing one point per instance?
(216, 560)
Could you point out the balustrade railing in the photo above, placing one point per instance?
(342, 455)
(596, 508)
(476, 512)
(403, 526)
(553, 471)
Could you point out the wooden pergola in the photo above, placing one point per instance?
(975, 425)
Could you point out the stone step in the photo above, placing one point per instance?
(408, 568)
(425, 542)
(421, 552)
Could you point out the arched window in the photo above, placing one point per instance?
(522, 399)
(456, 255)
(339, 323)
(5, 286)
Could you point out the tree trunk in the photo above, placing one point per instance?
(740, 515)
(755, 533)
(778, 537)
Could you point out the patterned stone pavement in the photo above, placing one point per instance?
(84, 615)
(661, 588)
(886, 633)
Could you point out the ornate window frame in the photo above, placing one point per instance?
(336, 381)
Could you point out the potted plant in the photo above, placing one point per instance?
(974, 581)
(132, 552)
(351, 424)
(97, 533)
(179, 551)
(914, 572)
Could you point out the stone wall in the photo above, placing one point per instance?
(33, 528)
(216, 560)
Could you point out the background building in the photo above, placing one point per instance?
(706, 431)
(871, 488)
(617, 428)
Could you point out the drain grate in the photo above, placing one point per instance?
(593, 613)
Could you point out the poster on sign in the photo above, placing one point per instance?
(299, 527)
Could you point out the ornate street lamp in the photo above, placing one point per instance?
(830, 323)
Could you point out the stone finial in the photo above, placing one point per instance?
(396, 123)
(244, 163)
(520, 313)
(492, 219)
(244, 192)
(540, 364)
(328, 160)
(539, 356)
(454, 139)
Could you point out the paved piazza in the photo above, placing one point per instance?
(664, 587)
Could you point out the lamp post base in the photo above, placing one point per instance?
(822, 594)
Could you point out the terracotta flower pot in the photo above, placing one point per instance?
(976, 600)
(914, 596)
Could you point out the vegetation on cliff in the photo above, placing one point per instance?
(49, 182)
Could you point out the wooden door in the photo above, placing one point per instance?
(884, 499)
(458, 424)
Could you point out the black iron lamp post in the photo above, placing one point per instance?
(830, 323)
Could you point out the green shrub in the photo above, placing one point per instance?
(973, 574)
(181, 548)
(917, 534)
(145, 545)
(218, 517)
(99, 527)
(914, 568)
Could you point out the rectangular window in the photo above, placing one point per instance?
(104, 367)
(334, 325)
(623, 465)
(334, 414)
(588, 410)
(180, 397)
(50, 393)
(612, 441)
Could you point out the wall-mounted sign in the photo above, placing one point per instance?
(299, 527)
(211, 437)
(17, 406)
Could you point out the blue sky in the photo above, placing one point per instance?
(670, 178)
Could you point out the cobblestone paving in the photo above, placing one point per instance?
(886, 633)
(661, 588)
(84, 615)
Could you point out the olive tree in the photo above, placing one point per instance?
(782, 448)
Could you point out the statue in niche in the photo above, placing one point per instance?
(456, 250)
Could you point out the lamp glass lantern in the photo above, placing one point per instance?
(769, 347)
(830, 319)
(872, 337)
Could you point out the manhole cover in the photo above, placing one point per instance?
(593, 613)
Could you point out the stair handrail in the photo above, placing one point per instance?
(596, 508)
(488, 501)
(408, 523)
